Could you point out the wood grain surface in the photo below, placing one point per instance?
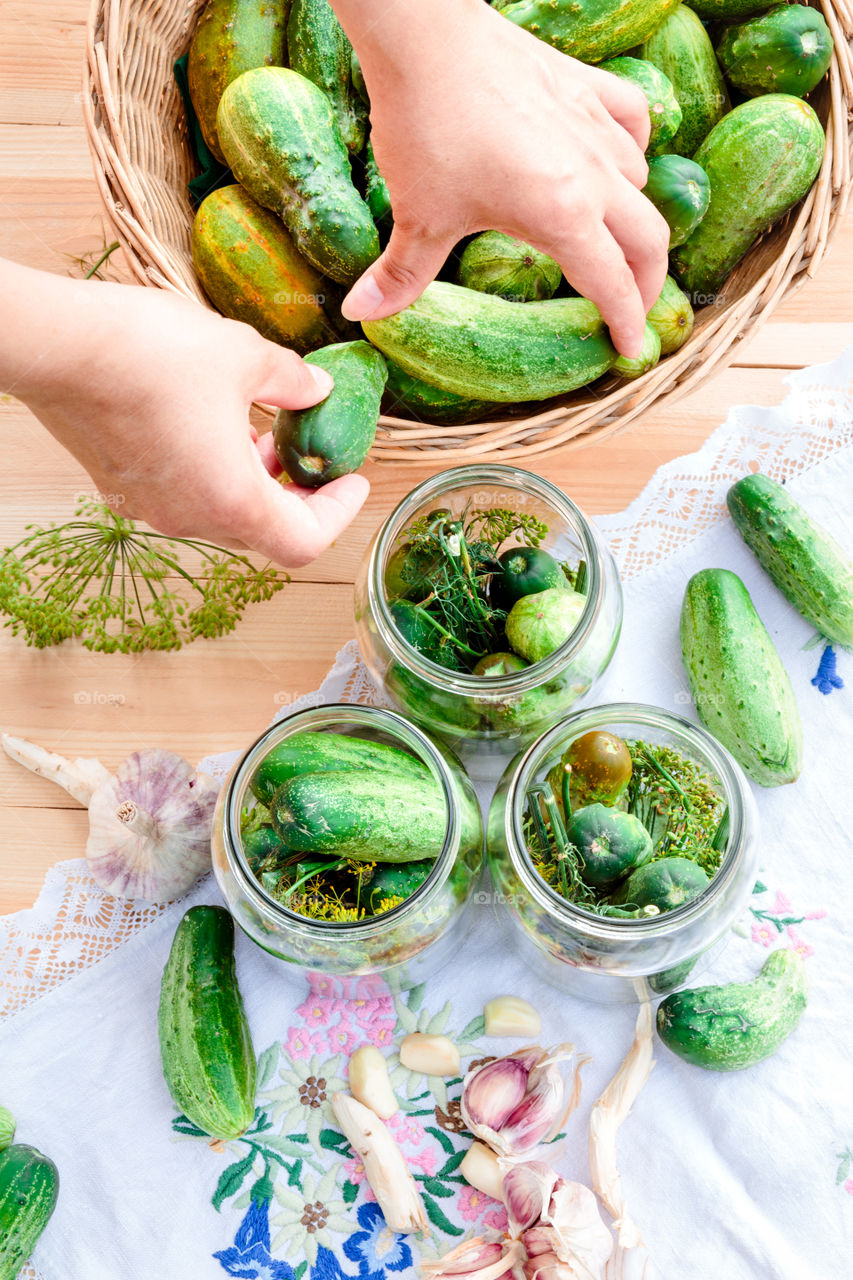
(219, 694)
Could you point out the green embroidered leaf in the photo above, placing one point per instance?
(261, 1192)
(182, 1125)
(331, 1140)
(350, 1191)
(267, 1063)
(439, 1091)
(407, 1018)
(450, 1165)
(416, 997)
(288, 1146)
(294, 1175)
(299, 1271)
(441, 1136)
(262, 1123)
(846, 1158)
(437, 1188)
(759, 887)
(436, 1025)
(475, 1028)
(438, 1219)
(231, 1179)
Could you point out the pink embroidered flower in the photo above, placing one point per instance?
(799, 944)
(472, 1203)
(425, 1160)
(407, 1128)
(341, 1039)
(367, 1012)
(763, 932)
(819, 914)
(319, 1011)
(371, 986)
(782, 905)
(381, 1033)
(496, 1218)
(322, 984)
(848, 1186)
(354, 1170)
(300, 1043)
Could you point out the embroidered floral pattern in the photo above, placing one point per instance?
(827, 677)
(769, 923)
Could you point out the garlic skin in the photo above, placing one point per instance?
(518, 1101)
(149, 827)
(477, 1259)
(527, 1192)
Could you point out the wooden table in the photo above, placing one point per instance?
(219, 694)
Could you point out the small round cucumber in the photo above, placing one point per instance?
(526, 570)
(333, 438)
(664, 111)
(679, 189)
(636, 366)
(497, 263)
(612, 843)
(672, 317)
(665, 883)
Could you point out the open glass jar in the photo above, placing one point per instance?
(406, 943)
(619, 959)
(487, 719)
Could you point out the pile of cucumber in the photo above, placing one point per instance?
(342, 828)
(281, 100)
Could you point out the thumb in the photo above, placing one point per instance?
(399, 277)
(286, 380)
(292, 526)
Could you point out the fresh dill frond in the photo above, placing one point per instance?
(497, 525)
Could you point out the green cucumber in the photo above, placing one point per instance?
(537, 625)
(251, 270)
(357, 77)
(205, 1044)
(786, 50)
(280, 136)
(664, 111)
(741, 689)
(407, 571)
(496, 665)
(665, 883)
(260, 844)
(7, 1128)
(680, 190)
(29, 1186)
(600, 769)
(804, 561)
(395, 881)
(760, 159)
(418, 399)
(526, 570)
(496, 263)
(590, 30)
(370, 816)
(636, 366)
(672, 317)
(611, 843)
(728, 1028)
(479, 345)
(376, 193)
(231, 36)
(313, 752)
(681, 48)
(727, 10)
(318, 48)
(416, 628)
(333, 438)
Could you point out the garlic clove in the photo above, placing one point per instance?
(527, 1191)
(149, 827)
(511, 1016)
(384, 1165)
(369, 1082)
(494, 1092)
(433, 1055)
(480, 1168)
(477, 1259)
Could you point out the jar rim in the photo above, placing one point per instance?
(394, 725)
(602, 928)
(465, 683)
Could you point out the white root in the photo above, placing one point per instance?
(80, 778)
(433, 1055)
(607, 1115)
(369, 1082)
(384, 1165)
(480, 1167)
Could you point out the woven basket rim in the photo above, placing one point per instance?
(129, 98)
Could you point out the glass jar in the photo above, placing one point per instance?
(486, 719)
(609, 959)
(406, 944)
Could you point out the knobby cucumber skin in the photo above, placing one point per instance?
(312, 752)
(681, 48)
(664, 111)
(786, 50)
(29, 1186)
(729, 1028)
(205, 1044)
(282, 141)
(740, 687)
(426, 403)
(371, 816)
(804, 561)
(496, 263)
(232, 36)
(672, 317)
(318, 48)
(333, 438)
(760, 160)
(480, 346)
(590, 30)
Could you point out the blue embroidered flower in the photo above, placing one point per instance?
(827, 677)
(376, 1248)
(249, 1256)
(327, 1266)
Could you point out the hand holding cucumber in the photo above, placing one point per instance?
(478, 125)
(151, 394)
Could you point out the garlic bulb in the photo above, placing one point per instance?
(558, 1222)
(519, 1100)
(149, 824)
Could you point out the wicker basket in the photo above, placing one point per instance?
(137, 134)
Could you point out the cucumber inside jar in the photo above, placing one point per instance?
(625, 829)
(342, 828)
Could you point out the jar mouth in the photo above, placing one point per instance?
(401, 731)
(465, 684)
(708, 752)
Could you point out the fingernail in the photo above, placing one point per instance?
(322, 377)
(362, 300)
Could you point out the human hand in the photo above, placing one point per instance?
(151, 393)
(486, 127)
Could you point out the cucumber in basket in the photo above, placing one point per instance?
(804, 561)
(741, 689)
